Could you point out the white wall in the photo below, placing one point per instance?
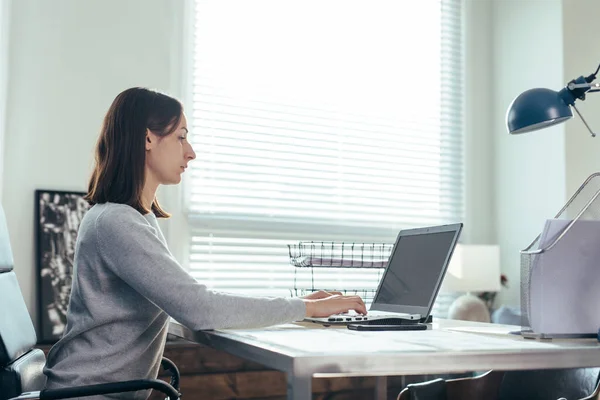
(479, 151)
(581, 57)
(529, 169)
(4, 31)
(68, 60)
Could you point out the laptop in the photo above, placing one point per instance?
(411, 280)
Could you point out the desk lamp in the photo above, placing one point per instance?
(473, 268)
(540, 108)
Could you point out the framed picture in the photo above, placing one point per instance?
(57, 218)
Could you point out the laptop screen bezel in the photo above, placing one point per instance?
(423, 311)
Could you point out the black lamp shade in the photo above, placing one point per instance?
(536, 109)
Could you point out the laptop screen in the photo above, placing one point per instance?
(416, 267)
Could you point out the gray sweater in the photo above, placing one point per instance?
(126, 284)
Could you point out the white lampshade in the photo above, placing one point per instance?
(473, 268)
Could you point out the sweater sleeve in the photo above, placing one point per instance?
(130, 247)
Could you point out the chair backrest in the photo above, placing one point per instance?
(430, 390)
(576, 383)
(20, 364)
(573, 383)
(484, 386)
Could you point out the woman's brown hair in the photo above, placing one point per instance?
(119, 173)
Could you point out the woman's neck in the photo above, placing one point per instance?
(148, 195)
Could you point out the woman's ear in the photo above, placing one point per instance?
(149, 139)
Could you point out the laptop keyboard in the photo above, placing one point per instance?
(346, 317)
(390, 321)
(364, 319)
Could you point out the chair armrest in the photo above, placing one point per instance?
(170, 366)
(106, 388)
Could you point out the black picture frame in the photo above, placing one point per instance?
(57, 217)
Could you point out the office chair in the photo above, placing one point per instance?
(548, 384)
(21, 364)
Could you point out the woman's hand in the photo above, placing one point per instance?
(333, 304)
(321, 294)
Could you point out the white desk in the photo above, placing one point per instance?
(304, 351)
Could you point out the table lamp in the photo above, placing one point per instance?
(473, 268)
(540, 108)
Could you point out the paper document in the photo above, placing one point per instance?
(502, 330)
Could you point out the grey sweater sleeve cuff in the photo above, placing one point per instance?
(299, 308)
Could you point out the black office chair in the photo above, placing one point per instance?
(547, 384)
(21, 364)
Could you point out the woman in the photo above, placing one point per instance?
(126, 283)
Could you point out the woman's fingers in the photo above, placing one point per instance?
(334, 304)
(359, 305)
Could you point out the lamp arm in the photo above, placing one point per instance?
(584, 121)
(589, 88)
(594, 87)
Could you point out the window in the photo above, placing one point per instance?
(325, 121)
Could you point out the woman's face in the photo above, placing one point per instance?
(167, 157)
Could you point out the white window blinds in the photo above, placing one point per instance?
(324, 121)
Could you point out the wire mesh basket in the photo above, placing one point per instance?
(340, 255)
(560, 274)
(349, 268)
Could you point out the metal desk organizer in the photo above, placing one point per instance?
(350, 268)
(560, 271)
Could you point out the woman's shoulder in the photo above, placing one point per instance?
(106, 215)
